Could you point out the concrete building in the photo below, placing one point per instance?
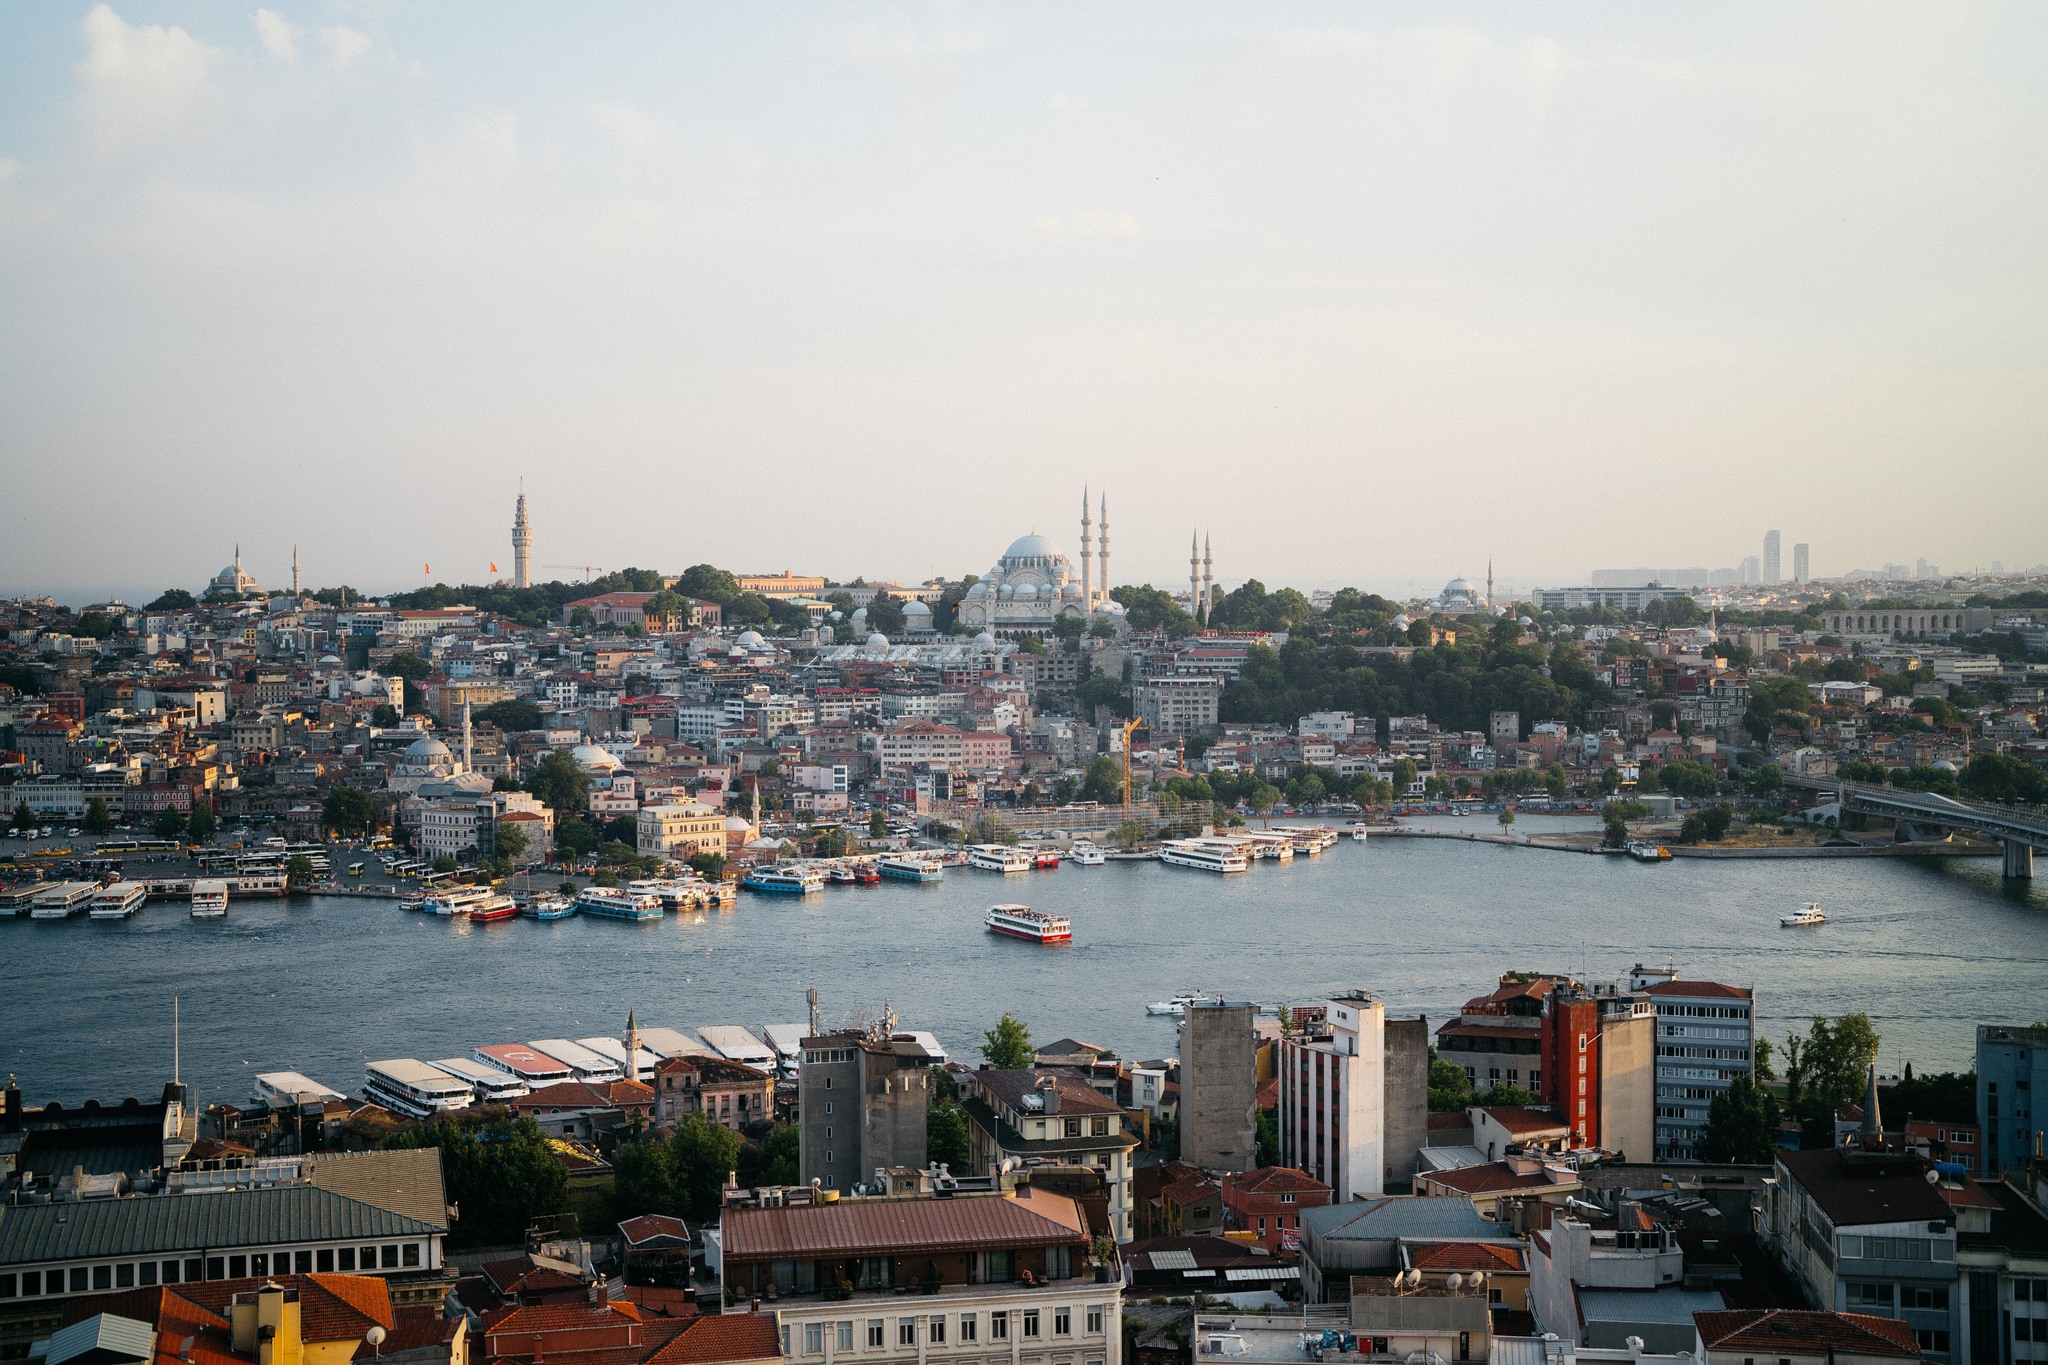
(1619, 599)
(1332, 1099)
(1599, 1064)
(1706, 1037)
(1801, 564)
(1178, 703)
(677, 830)
(1498, 1038)
(1772, 577)
(2012, 1070)
(1405, 1097)
(1219, 1085)
(861, 1101)
(1050, 1117)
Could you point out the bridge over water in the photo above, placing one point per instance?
(2022, 829)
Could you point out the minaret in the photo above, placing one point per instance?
(1104, 544)
(295, 571)
(522, 543)
(1087, 596)
(1194, 577)
(1489, 582)
(1208, 579)
(632, 1046)
(465, 735)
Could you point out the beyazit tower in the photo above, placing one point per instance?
(522, 543)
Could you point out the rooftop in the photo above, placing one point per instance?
(874, 1227)
(1854, 1191)
(1786, 1331)
(1397, 1216)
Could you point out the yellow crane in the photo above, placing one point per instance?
(1131, 727)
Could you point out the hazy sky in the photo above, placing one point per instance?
(1371, 292)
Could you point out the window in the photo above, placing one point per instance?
(935, 1329)
(1030, 1323)
(968, 1323)
(998, 1326)
(1099, 1127)
(1934, 1296)
(7, 1283)
(1262, 1227)
(785, 1338)
(1931, 1340)
(1287, 1199)
(1095, 1319)
(348, 1258)
(146, 1273)
(367, 1258)
(842, 1335)
(390, 1255)
(411, 1254)
(302, 1262)
(906, 1331)
(814, 1338)
(103, 1276)
(1071, 1128)
(1863, 1294)
(876, 1339)
(78, 1276)
(828, 1131)
(324, 1258)
(195, 1268)
(1063, 1322)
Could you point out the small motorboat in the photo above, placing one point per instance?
(1807, 914)
(1178, 1005)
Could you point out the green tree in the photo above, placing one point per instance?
(711, 865)
(1506, 817)
(24, 818)
(1506, 1094)
(2001, 777)
(202, 823)
(1450, 1089)
(384, 715)
(514, 714)
(1146, 608)
(169, 823)
(1105, 781)
(499, 1172)
(779, 1157)
(173, 599)
(945, 1135)
(704, 1153)
(1267, 1131)
(644, 1179)
(1262, 798)
(1127, 834)
(709, 583)
(349, 811)
(510, 841)
(98, 819)
(1007, 1046)
(1742, 1126)
(561, 784)
(298, 872)
(878, 825)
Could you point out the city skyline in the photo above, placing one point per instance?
(275, 276)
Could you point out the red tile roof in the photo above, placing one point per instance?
(874, 1227)
(1275, 1180)
(723, 1337)
(1466, 1256)
(1796, 1331)
(1703, 989)
(648, 1226)
(1488, 1179)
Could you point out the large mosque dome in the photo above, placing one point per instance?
(1025, 549)
(424, 751)
(593, 759)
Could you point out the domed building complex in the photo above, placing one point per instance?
(231, 581)
(1033, 585)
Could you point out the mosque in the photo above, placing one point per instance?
(232, 581)
(1034, 585)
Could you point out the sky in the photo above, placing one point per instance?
(1367, 293)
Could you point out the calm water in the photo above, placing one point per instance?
(321, 985)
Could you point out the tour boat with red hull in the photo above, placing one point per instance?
(1033, 926)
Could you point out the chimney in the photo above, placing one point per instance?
(1049, 1094)
(1873, 1122)
(279, 1340)
(10, 1111)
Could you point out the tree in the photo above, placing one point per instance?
(703, 1153)
(202, 824)
(945, 1135)
(514, 714)
(709, 583)
(711, 865)
(24, 818)
(1267, 1131)
(500, 1172)
(1506, 817)
(1614, 817)
(1450, 1089)
(1262, 798)
(510, 841)
(1506, 1094)
(878, 825)
(1007, 1046)
(1127, 834)
(644, 1179)
(173, 599)
(169, 823)
(561, 784)
(349, 811)
(384, 715)
(1742, 1126)
(1105, 781)
(98, 819)
(298, 872)
(779, 1157)
(2001, 777)
(1941, 1097)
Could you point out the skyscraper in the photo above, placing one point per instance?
(522, 544)
(1771, 574)
(1800, 566)
(1752, 570)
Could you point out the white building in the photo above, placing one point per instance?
(679, 830)
(1034, 585)
(1706, 1037)
(1333, 1099)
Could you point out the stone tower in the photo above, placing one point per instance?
(522, 544)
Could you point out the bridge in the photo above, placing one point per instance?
(2022, 829)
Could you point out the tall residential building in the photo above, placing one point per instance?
(1333, 1099)
(1752, 570)
(1801, 565)
(1599, 1067)
(2012, 1070)
(861, 1100)
(1219, 1087)
(1771, 574)
(1049, 1116)
(1706, 1037)
(522, 544)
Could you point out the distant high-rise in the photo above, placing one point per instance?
(1801, 566)
(1752, 570)
(1920, 569)
(522, 544)
(1771, 574)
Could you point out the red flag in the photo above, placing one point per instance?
(426, 568)
(494, 568)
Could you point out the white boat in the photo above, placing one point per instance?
(535, 1068)
(1313, 839)
(592, 1068)
(290, 1090)
(998, 858)
(1358, 832)
(1087, 855)
(907, 867)
(415, 1089)
(1807, 914)
(1178, 1005)
(210, 899)
(1644, 851)
(789, 879)
(609, 902)
(736, 1044)
(1207, 855)
(1034, 926)
(456, 901)
(119, 901)
(491, 1085)
(63, 900)
(1274, 844)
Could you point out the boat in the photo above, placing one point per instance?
(493, 908)
(63, 900)
(841, 875)
(15, 899)
(1021, 921)
(1313, 839)
(290, 1090)
(1644, 851)
(457, 900)
(1358, 832)
(491, 1085)
(865, 875)
(415, 1089)
(209, 899)
(551, 907)
(1274, 844)
(534, 1068)
(784, 879)
(1207, 855)
(1178, 1005)
(1046, 858)
(119, 901)
(1087, 855)
(673, 895)
(998, 858)
(1805, 915)
(610, 902)
(907, 867)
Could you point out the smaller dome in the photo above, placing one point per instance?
(329, 660)
(1523, 620)
(750, 639)
(421, 750)
(591, 758)
(915, 608)
(984, 639)
(878, 641)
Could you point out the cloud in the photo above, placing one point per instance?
(909, 43)
(279, 38)
(1089, 223)
(138, 78)
(345, 46)
(9, 168)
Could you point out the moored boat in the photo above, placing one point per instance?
(786, 879)
(551, 907)
(1644, 851)
(611, 902)
(118, 901)
(1034, 926)
(1206, 855)
(1084, 854)
(455, 901)
(494, 907)
(998, 858)
(209, 899)
(908, 867)
(1178, 1005)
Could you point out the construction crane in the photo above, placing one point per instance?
(1131, 727)
(588, 570)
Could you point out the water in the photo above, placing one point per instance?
(321, 985)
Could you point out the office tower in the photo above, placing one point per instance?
(1752, 570)
(1771, 575)
(1801, 565)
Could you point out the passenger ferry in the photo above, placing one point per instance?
(609, 902)
(1275, 844)
(998, 858)
(1087, 855)
(63, 900)
(551, 907)
(1313, 839)
(673, 895)
(490, 1085)
(785, 879)
(15, 899)
(119, 901)
(290, 1090)
(209, 899)
(415, 1089)
(456, 901)
(1207, 855)
(1021, 921)
(492, 908)
(907, 867)
(593, 1068)
(517, 1059)
(1047, 858)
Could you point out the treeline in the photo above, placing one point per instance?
(543, 602)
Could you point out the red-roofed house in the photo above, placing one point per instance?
(1797, 1337)
(1267, 1203)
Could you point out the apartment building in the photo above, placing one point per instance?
(1178, 703)
(1050, 1117)
(1599, 1067)
(2012, 1069)
(1332, 1099)
(679, 830)
(1498, 1038)
(1706, 1038)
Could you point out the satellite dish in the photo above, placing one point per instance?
(1934, 1177)
(375, 1336)
(1478, 1278)
(1456, 1281)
